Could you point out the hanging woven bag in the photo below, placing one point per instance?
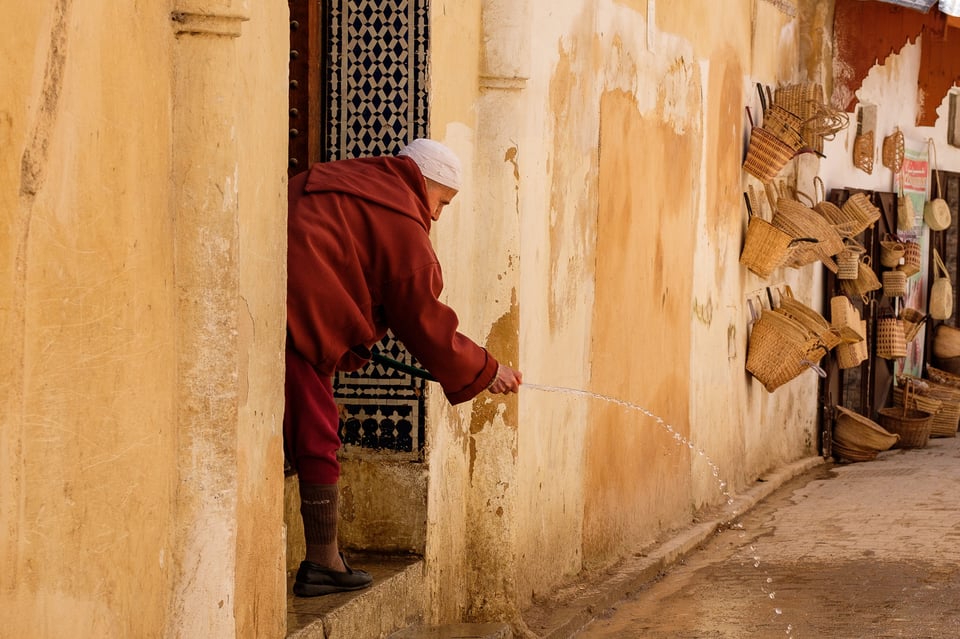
(891, 252)
(911, 258)
(936, 212)
(892, 150)
(906, 213)
(891, 340)
(860, 209)
(866, 281)
(848, 260)
(941, 293)
(766, 154)
(912, 322)
(845, 319)
(894, 283)
(863, 152)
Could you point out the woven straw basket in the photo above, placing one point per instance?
(866, 281)
(780, 349)
(801, 221)
(811, 319)
(858, 434)
(945, 387)
(845, 319)
(785, 125)
(894, 283)
(946, 342)
(853, 454)
(936, 212)
(859, 209)
(853, 429)
(891, 252)
(891, 339)
(912, 322)
(892, 151)
(766, 155)
(913, 426)
(911, 259)
(765, 247)
(943, 402)
(848, 260)
(851, 355)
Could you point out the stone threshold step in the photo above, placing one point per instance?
(457, 631)
(392, 602)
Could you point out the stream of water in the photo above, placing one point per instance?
(679, 438)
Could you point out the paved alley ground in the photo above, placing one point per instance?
(844, 551)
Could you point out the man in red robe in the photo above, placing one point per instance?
(360, 261)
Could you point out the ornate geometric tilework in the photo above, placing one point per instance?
(377, 76)
(375, 102)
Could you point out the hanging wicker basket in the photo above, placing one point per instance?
(936, 212)
(891, 252)
(779, 349)
(866, 281)
(845, 319)
(851, 355)
(809, 318)
(891, 341)
(863, 151)
(913, 426)
(766, 155)
(913, 321)
(860, 210)
(894, 283)
(848, 260)
(892, 151)
(765, 247)
(911, 258)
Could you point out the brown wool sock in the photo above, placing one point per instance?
(318, 507)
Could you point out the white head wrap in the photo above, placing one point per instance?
(436, 161)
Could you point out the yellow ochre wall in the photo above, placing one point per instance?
(595, 245)
(142, 260)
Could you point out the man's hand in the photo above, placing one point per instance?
(507, 380)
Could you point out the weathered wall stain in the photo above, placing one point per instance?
(572, 182)
(703, 311)
(641, 320)
(503, 341)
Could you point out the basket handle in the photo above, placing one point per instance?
(814, 367)
(938, 264)
(933, 151)
(819, 190)
(908, 389)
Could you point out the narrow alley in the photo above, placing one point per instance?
(843, 550)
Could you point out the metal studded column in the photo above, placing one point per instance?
(204, 206)
(305, 118)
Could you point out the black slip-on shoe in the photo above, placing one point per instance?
(314, 580)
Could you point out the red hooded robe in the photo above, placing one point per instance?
(360, 261)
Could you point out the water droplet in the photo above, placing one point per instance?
(769, 580)
(773, 595)
(756, 564)
(778, 611)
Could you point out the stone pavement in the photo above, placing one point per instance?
(842, 550)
